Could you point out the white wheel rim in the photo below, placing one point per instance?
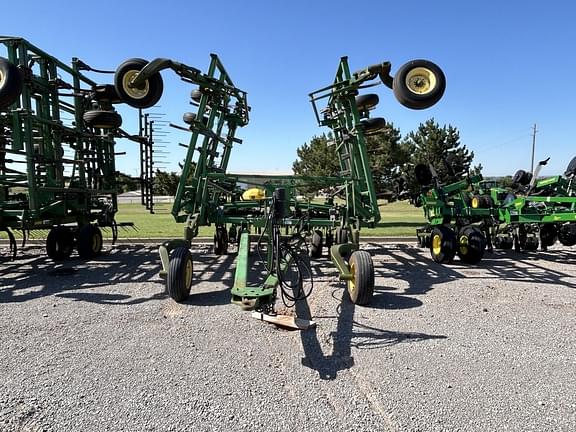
(134, 92)
(421, 81)
(1, 78)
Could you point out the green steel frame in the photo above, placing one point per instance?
(57, 152)
(207, 194)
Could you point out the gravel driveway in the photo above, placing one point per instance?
(97, 346)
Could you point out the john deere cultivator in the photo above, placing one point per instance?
(57, 161)
(281, 225)
(464, 217)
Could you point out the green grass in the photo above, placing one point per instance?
(398, 219)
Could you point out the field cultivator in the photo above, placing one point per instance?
(286, 229)
(536, 212)
(57, 151)
(471, 214)
(459, 217)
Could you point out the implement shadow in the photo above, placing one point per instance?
(414, 265)
(35, 275)
(350, 333)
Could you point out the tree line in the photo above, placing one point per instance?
(393, 158)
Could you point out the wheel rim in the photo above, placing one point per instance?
(436, 244)
(1, 78)
(188, 273)
(96, 243)
(421, 81)
(134, 92)
(464, 245)
(352, 282)
(475, 202)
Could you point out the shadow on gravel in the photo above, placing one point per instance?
(350, 333)
(414, 265)
(34, 276)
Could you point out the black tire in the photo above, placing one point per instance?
(423, 174)
(367, 102)
(443, 244)
(507, 243)
(571, 168)
(548, 234)
(476, 201)
(567, 234)
(316, 244)
(419, 84)
(329, 241)
(521, 178)
(145, 96)
(89, 241)
(196, 95)
(106, 92)
(220, 241)
(531, 244)
(180, 274)
(232, 234)
(361, 287)
(471, 244)
(102, 119)
(60, 243)
(341, 236)
(373, 126)
(11, 83)
(190, 117)
(487, 202)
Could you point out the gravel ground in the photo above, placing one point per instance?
(97, 346)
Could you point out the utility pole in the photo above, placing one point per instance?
(533, 147)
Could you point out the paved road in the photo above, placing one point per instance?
(96, 346)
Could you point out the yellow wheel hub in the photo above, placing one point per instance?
(463, 245)
(421, 80)
(352, 282)
(134, 92)
(475, 202)
(188, 273)
(436, 244)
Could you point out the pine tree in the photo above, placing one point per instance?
(441, 148)
(317, 158)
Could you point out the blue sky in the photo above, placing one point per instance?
(508, 65)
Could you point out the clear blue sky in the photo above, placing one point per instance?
(508, 65)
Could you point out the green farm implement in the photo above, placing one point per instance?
(57, 151)
(469, 215)
(536, 212)
(267, 210)
(459, 217)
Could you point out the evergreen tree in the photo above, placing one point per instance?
(317, 158)
(165, 183)
(441, 148)
(387, 153)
